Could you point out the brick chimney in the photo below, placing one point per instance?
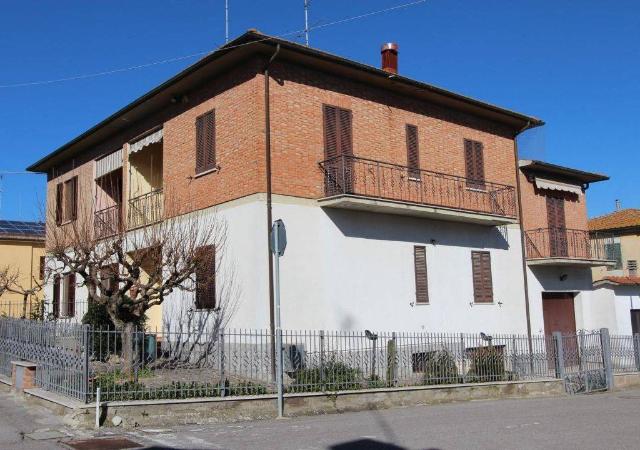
(389, 53)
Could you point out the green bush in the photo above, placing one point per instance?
(487, 364)
(332, 376)
(105, 341)
(440, 368)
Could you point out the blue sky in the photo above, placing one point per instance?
(573, 64)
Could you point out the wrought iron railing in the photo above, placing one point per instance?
(107, 222)
(351, 175)
(566, 243)
(146, 209)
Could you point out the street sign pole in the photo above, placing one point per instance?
(278, 244)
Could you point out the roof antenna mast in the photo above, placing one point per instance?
(306, 22)
(226, 21)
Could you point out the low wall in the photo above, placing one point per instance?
(231, 409)
(626, 380)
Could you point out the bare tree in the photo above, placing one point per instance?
(11, 281)
(130, 270)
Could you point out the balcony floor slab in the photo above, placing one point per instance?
(565, 261)
(360, 203)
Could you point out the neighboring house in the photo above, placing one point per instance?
(559, 251)
(399, 197)
(619, 284)
(21, 251)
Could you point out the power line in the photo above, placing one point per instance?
(205, 53)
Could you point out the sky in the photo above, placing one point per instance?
(574, 64)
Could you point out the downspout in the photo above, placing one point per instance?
(522, 240)
(267, 133)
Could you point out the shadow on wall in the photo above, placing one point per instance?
(389, 227)
(553, 278)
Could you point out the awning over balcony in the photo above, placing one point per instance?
(145, 141)
(543, 183)
(109, 163)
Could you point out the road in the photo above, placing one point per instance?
(598, 421)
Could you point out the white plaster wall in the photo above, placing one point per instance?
(346, 269)
(622, 300)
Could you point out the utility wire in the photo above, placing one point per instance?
(205, 53)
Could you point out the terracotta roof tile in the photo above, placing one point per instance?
(624, 218)
(626, 281)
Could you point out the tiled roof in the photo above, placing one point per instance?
(624, 281)
(624, 218)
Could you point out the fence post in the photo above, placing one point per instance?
(86, 336)
(514, 356)
(322, 359)
(392, 362)
(605, 340)
(462, 358)
(636, 350)
(581, 350)
(557, 339)
(221, 384)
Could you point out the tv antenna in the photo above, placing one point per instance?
(306, 22)
(226, 21)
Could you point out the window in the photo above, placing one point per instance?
(42, 267)
(420, 269)
(413, 158)
(338, 133)
(206, 278)
(64, 295)
(614, 253)
(67, 201)
(632, 267)
(206, 142)
(474, 163)
(482, 282)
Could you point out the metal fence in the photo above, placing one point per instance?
(75, 360)
(567, 243)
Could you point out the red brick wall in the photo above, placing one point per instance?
(379, 120)
(534, 207)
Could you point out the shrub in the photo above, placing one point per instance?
(332, 376)
(105, 341)
(487, 364)
(440, 368)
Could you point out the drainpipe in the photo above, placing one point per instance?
(522, 241)
(267, 132)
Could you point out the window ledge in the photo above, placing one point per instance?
(206, 172)
(483, 303)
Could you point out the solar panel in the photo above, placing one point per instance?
(16, 227)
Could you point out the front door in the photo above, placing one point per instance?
(557, 227)
(558, 312)
(635, 321)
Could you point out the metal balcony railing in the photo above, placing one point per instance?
(350, 175)
(567, 243)
(107, 222)
(146, 209)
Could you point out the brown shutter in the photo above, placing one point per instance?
(345, 132)
(206, 278)
(420, 269)
(42, 267)
(59, 205)
(56, 296)
(474, 163)
(413, 160)
(71, 295)
(74, 198)
(482, 279)
(330, 115)
(205, 142)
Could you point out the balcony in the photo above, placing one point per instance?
(566, 247)
(146, 209)
(363, 184)
(107, 222)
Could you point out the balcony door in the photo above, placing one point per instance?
(558, 243)
(338, 150)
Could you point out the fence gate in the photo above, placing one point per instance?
(583, 361)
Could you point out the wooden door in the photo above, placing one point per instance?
(558, 312)
(558, 245)
(635, 321)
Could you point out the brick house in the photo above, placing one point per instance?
(400, 198)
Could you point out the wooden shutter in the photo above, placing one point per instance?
(56, 296)
(413, 161)
(345, 132)
(330, 114)
(555, 212)
(474, 163)
(482, 280)
(206, 278)
(205, 142)
(71, 294)
(420, 269)
(59, 200)
(74, 198)
(42, 267)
